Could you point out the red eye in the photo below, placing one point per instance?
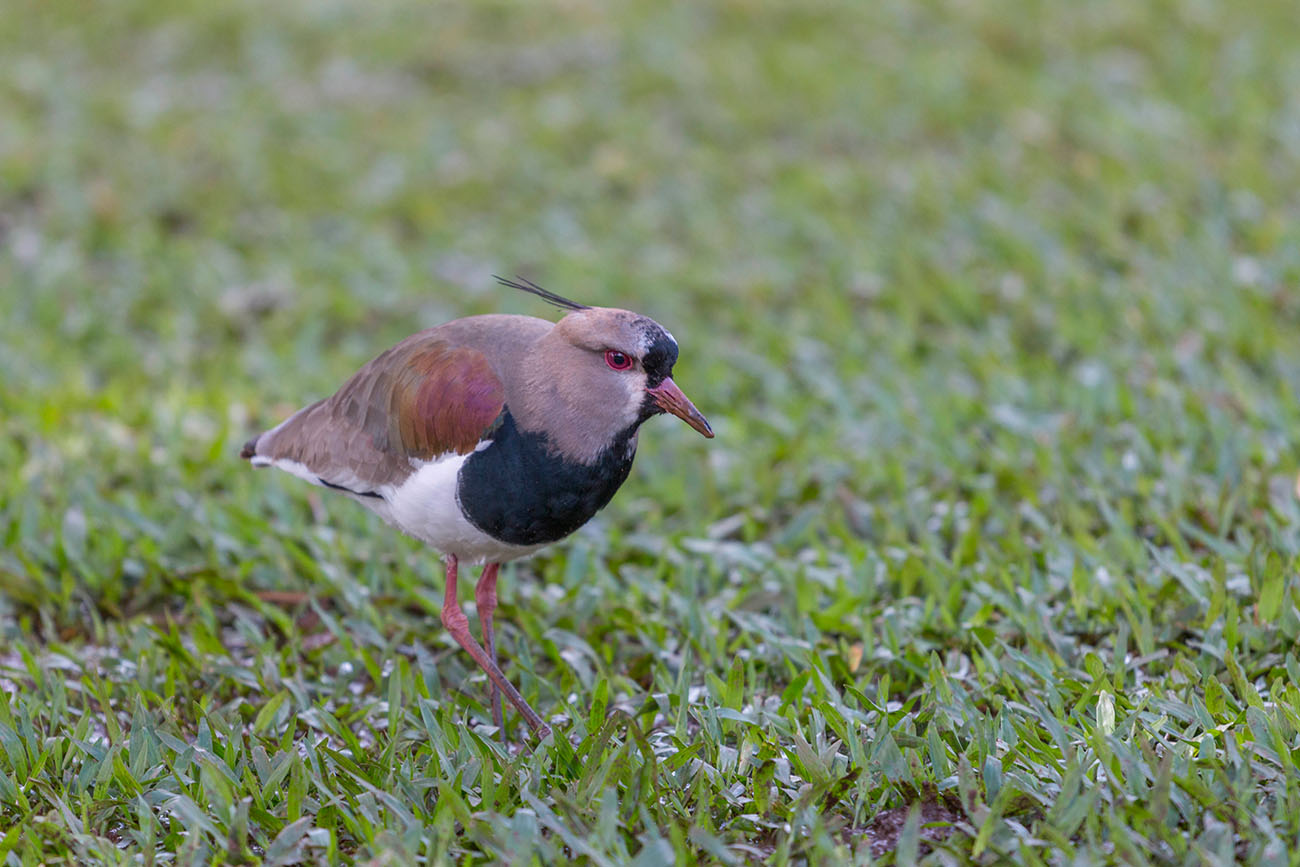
(617, 360)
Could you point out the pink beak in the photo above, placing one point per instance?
(670, 398)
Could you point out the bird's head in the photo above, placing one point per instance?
(625, 360)
(602, 371)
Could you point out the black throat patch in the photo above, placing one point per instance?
(518, 491)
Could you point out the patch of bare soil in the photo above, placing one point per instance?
(883, 831)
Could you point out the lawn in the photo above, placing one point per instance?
(995, 309)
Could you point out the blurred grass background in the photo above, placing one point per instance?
(993, 305)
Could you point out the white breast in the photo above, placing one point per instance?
(425, 506)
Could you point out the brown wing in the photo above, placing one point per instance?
(421, 399)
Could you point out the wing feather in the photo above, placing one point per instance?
(419, 400)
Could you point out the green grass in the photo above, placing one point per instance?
(994, 308)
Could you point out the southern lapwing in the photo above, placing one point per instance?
(489, 437)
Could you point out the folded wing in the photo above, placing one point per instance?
(422, 399)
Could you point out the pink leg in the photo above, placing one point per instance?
(485, 597)
(458, 625)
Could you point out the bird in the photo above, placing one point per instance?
(487, 438)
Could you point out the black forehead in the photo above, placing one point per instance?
(661, 350)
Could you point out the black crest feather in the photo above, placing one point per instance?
(523, 284)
